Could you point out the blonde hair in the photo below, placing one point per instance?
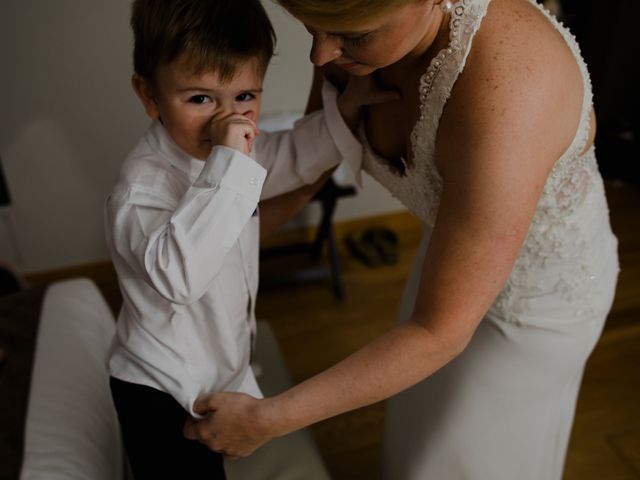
(340, 14)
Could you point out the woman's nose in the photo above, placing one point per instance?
(325, 48)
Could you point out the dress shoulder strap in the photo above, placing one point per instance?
(444, 69)
(435, 89)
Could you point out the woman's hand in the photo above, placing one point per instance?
(234, 425)
(359, 92)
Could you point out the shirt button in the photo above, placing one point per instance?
(252, 180)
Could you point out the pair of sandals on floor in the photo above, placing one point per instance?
(373, 246)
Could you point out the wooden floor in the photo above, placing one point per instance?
(315, 331)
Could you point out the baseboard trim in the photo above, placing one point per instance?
(398, 221)
(102, 272)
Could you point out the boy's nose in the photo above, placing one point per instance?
(232, 107)
(325, 48)
(250, 114)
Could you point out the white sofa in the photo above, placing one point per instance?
(71, 426)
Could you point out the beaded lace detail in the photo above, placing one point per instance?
(561, 254)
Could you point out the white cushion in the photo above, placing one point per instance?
(293, 457)
(71, 428)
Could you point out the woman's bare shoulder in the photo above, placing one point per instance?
(517, 41)
(521, 84)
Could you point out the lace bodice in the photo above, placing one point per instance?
(562, 252)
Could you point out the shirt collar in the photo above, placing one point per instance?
(160, 141)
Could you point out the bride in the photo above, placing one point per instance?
(491, 146)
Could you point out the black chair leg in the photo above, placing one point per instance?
(328, 197)
(336, 273)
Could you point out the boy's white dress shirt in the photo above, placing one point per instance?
(184, 238)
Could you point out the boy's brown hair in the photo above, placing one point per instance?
(211, 35)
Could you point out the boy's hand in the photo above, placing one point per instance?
(359, 92)
(233, 130)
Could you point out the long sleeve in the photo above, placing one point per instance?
(178, 242)
(316, 143)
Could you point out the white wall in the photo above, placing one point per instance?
(68, 117)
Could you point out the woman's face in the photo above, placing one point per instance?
(407, 30)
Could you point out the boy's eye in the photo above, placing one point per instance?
(199, 99)
(245, 97)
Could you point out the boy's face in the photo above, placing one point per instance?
(186, 103)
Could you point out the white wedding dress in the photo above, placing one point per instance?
(503, 409)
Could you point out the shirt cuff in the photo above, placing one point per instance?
(348, 145)
(230, 168)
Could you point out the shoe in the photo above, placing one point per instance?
(366, 252)
(385, 241)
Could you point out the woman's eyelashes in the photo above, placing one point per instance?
(356, 40)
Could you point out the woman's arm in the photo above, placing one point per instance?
(359, 92)
(320, 140)
(500, 135)
(276, 211)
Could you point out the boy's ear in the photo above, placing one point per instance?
(145, 94)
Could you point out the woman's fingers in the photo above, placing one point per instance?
(194, 429)
(362, 91)
(381, 96)
(190, 429)
(201, 405)
(230, 425)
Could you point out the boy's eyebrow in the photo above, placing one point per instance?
(203, 89)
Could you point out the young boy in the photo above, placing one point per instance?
(182, 221)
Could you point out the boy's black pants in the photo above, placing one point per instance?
(151, 422)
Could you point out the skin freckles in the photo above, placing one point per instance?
(510, 116)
